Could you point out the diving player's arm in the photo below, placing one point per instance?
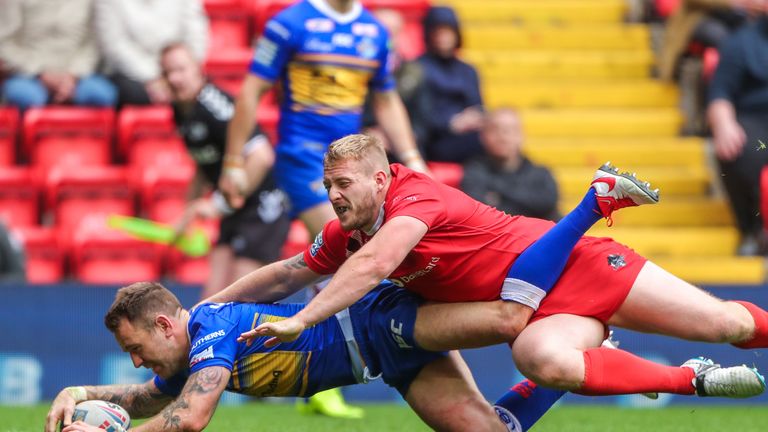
(194, 407)
(140, 400)
(359, 274)
(393, 119)
(234, 181)
(269, 283)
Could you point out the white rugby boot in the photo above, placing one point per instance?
(615, 190)
(711, 379)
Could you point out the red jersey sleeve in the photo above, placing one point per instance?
(418, 196)
(326, 254)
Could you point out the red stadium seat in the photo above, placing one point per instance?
(265, 9)
(101, 255)
(192, 270)
(411, 43)
(764, 197)
(229, 25)
(44, 256)
(9, 127)
(665, 8)
(710, 60)
(227, 69)
(19, 197)
(77, 197)
(167, 153)
(135, 123)
(447, 173)
(297, 241)
(164, 192)
(68, 136)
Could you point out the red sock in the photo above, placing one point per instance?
(760, 338)
(610, 372)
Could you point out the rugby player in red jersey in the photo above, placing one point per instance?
(437, 242)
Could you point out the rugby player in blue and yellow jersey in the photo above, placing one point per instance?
(195, 356)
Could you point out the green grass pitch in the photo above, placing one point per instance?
(398, 418)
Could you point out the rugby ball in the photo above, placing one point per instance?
(102, 414)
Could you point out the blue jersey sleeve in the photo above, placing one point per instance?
(275, 47)
(172, 386)
(213, 333)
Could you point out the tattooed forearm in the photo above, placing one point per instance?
(204, 381)
(172, 416)
(140, 400)
(296, 263)
(207, 380)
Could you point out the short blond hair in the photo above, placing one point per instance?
(357, 147)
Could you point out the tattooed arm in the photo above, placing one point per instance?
(269, 283)
(140, 400)
(194, 407)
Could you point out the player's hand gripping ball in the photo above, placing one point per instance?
(102, 414)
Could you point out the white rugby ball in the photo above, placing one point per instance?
(102, 414)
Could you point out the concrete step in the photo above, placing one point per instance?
(580, 94)
(583, 37)
(689, 181)
(671, 211)
(629, 154)
(572, 122)
(503, 65)
(717, 270)
(547, 11)
(673, 241)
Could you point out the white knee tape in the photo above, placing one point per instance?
(520, 291)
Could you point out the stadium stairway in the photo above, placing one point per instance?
(581, 78)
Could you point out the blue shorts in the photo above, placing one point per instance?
(298, 172)
(383, 323)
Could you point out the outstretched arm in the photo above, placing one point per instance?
(140, 400)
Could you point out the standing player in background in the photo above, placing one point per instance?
(252, 235)
(326, 54)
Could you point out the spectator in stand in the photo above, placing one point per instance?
(707, 22)
(738, 115)
(252, 235)
(13, 266)
(454, 91)
(504, 177)
(409, 78)
(49, 52)
(131, 34)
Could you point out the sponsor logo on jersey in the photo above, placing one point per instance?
(616, 261)
(317, 244)
(279, 29)
(417, 274)
(397, 334)
(319, 25)
(202, 355)
(317, 45)
(266, 51)
(509, 419)
(343, 40)
(365, 29)
(367, 48)
(209, 337)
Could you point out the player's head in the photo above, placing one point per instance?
(502, 134)
(147, 321)
(181, 71)
(356, 176)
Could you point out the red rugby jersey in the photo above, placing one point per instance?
(465, 254)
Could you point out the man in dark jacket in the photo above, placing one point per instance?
(454, 91)
(504, 178)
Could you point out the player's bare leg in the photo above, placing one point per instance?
(446, 398)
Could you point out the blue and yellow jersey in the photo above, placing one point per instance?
(326, 62)
(317, 360)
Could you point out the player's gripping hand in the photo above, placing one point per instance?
(287, 330)
(61, 410)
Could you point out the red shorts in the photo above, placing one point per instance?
(595, 281)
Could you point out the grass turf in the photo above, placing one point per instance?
(571, 418)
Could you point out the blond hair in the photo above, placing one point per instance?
(139, 303)
(357, 147)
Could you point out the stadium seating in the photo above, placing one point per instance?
(192, 270)
(297, 240)
(227, 69)
(229, 24)
(101, 255)
(19, 197)
(68, 136)
(447, 172)
(44, 257)
(164, 191)
(136, 123)
(79, 197)
(9, 127)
